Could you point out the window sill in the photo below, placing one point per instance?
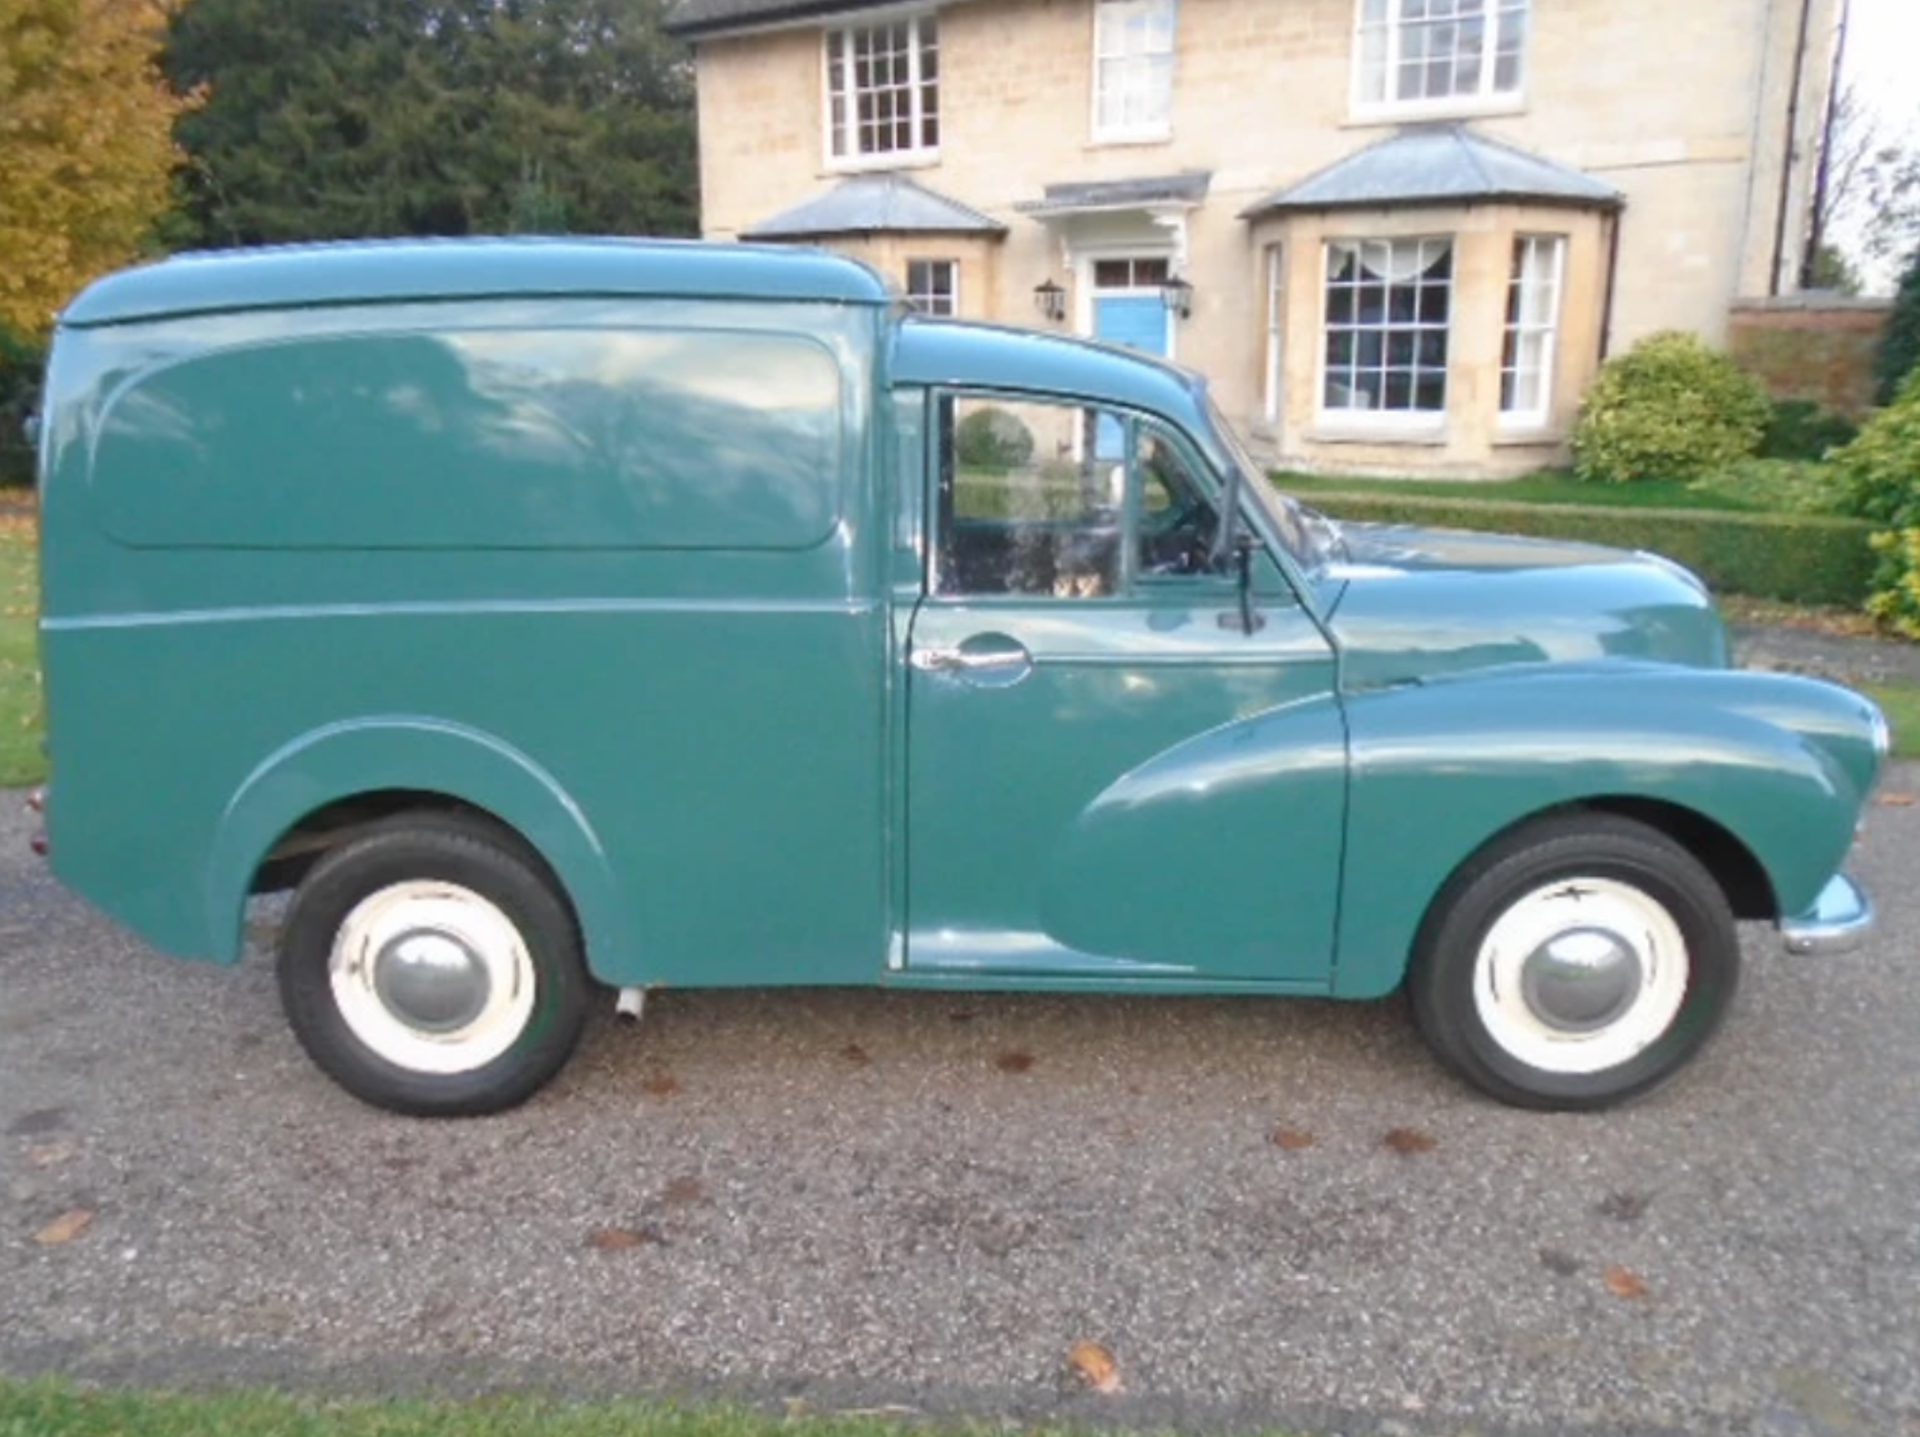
(898, 160)
(1361, 117)
(1528, 436)
(1336, 431)
(1119, 139)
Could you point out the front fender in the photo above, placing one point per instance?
(1441, 769)
(405, 751)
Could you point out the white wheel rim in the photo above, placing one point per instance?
(1581, 976)
(432, 977)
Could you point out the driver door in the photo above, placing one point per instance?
(1109, 780)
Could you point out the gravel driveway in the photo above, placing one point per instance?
(1267, 1211)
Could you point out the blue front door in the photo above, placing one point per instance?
(1138, 320)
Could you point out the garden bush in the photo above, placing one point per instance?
(1669, 408)
(1880, 475)
(1801, 429)
(1796, 558)
(20, 365)
(1899, 354)
(992, 438)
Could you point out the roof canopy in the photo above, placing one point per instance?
(1438, 164)
(1179, 192)
(694, 18)
(874, 204)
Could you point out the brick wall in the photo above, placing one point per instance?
(1811, 346)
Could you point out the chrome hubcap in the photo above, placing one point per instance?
(431, 981)
(1581, 980)
(432, 977)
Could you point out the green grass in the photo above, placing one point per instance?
(21, 761)
(59, 1409)
(1901, 703)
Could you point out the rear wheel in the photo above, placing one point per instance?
(429, 966)
(1580, 961)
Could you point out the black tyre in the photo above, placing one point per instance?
(429, 966)
(1578, 962)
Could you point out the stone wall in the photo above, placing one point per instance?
(1811, 346)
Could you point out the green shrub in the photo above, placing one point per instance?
(20, 365)
(1880, 475)
(991, 438)
(1801, 429)
(1796, 558)
(1669, 408)
(1899, 354)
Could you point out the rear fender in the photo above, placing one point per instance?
(368, 755)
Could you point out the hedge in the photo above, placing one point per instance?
(1796, 558)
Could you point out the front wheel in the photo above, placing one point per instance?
(429, 966)
(1581, 961)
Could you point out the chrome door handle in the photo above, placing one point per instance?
(955, 661)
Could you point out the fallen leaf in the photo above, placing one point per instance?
(620, 1239)
(1896, 800)
(1292, 1139)
(65, 1228)
(1408, 1141)
(660, 1084)
(1561, 1264)
(1094, 1365)
(1014, 1061)
(684, 1190)
(1623, 1283)
(49, 1155)
(856, 1055)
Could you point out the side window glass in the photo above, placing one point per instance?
(1178, 520)
(1028, 505)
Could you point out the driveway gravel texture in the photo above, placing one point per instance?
(1269, 1212)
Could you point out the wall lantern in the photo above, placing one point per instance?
(1050, 300)
(1177, 295)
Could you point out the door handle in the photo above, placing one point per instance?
(990, 660)
(959, 661)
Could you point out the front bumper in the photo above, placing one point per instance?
(1839, 921)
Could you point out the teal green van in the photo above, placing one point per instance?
(552, 617)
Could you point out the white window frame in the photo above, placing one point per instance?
(1409, 422)
(1274, 388)
(914, 298)
(837, 67)
(1515, 328)
(1104, 49)
(1486, 99)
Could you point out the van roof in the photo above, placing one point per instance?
(288, 276)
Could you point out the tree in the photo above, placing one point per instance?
(1870, 185)
(341, 118)
(1899, 354)
(85, 153)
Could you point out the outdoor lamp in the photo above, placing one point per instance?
(1177, 295)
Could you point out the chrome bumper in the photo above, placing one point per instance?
(1839, 921)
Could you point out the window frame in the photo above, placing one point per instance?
(920, 153)
(1514, 328)
(1422, 422)
(1132, 586)
(953, 287)
(1150, 132)
(1487, 99)
(1274, 341)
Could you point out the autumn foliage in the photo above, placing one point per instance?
(86, 153)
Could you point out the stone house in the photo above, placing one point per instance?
(1397, 235)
